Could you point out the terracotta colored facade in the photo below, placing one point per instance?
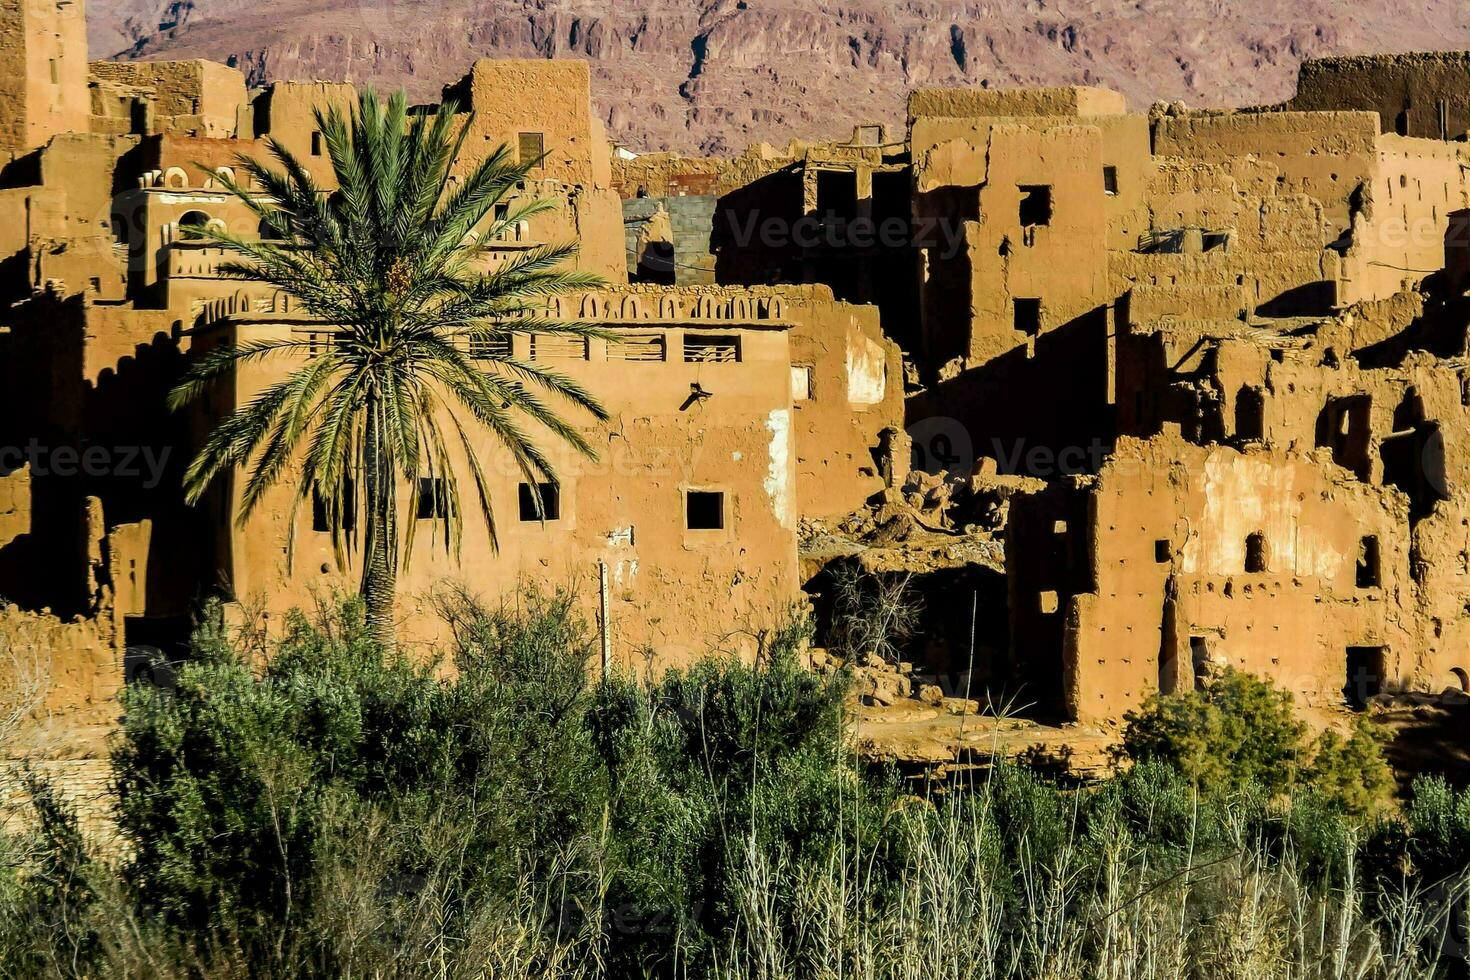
(736, 411)
(1227, 351)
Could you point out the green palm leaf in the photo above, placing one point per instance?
(389, 260)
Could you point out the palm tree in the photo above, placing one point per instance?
(389, 261)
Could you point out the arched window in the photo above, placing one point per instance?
(191, 225)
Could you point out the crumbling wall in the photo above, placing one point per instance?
(1400, 230)
(1422, 95)
(1324, 155)
(193, 98)
(1206, 556)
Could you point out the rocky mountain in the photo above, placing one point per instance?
(715, 75)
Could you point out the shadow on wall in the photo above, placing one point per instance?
(1441, 330)
(1308, 299)
(863, 249)
(64, 439)
(127, 411)
(43, 565)
(1043, 415)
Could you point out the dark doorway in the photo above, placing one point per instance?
(1344, 426)
(1365, 671)
(1199, 660)
(1250, 414)
(837, 195)
(1413, 461)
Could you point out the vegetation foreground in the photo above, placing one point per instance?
(334, 809)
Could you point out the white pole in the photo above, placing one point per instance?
(606, 632)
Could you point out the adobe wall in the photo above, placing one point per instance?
(576, 149)
(286, 112)
(1423, 95)
(1324, 155)
(1399, 236)
(1072, 100)
(1165, 543)
(43, 72)
(971, 169)
(662, 175)
(674, 591)
(194, 98)
(1266, 247)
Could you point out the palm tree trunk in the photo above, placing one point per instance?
(380, 538)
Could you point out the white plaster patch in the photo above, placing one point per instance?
(624, 572)
(1245, 496)
(867, 371)
(778, 475)
(737, 455)
(620, 536)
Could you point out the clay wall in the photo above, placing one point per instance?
(285, 112)
(1324, 155)
(1096, 170)
(1176, 592)
(1073, 100)
(193, 98)
(43, 72)
(674, 590)
(1400, 237)
(1422, 95)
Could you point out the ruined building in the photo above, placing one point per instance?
(1202, 375)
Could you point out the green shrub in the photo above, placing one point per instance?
(234, 786)
(335, 810)
(1352, 772)
(1238, 730)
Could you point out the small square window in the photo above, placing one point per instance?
(550, 509)
(704, 510)
(433, 499)
(1162, 552)
(532, 147)
(1027, 316)
(1035, 205)
(1110, 180)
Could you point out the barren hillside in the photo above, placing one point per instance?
(717, 74)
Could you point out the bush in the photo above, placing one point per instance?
(236, 787)
(1352, 772)
(337, 810)
(1238, 731)
(708, 762)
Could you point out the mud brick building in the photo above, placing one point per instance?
(1221, 357)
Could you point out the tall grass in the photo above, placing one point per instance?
(338, 812)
